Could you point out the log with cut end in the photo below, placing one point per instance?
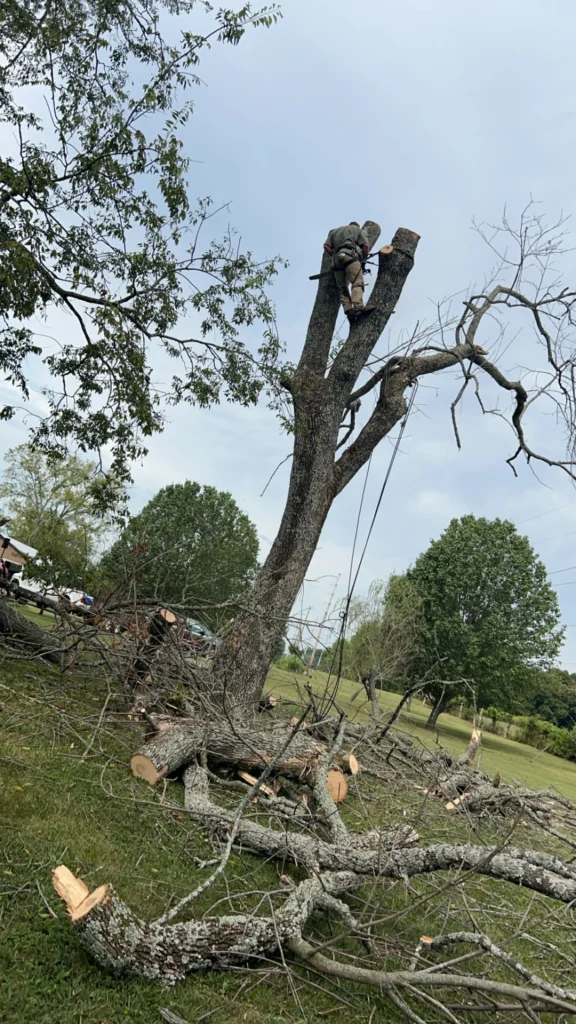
(168, 752)
(122, 943)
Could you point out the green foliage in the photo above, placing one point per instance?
(55, 507)
(291, 663)
(96, 221)
(536, 732)
(189, 546)
(496, 714)
(384, 634)
(555, 699)
(489, 614)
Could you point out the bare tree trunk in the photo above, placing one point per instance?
(437, 710)
(321, 396)
(369, 682)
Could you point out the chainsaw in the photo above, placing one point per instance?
(326, 273)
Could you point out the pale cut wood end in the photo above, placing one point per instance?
(168, 616)
(143, 768)
(76, 895)
(336, 785)
(69, 888)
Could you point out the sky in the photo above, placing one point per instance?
(423, 114)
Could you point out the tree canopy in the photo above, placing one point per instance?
(489, 614)
(54, 506)
(190, 546)
(555, 698)
(97, 224)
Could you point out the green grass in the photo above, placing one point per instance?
(513, 761)
(30, 611)
(66, 796)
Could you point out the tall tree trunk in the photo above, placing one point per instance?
(437, 710)
(243, 661)
(322, 395)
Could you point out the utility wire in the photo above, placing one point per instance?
(352, 586)
(547, 513)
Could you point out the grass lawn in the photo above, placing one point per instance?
(66, 796)
(513, 761)
(30, 611)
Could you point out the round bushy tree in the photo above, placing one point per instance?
(190, 546)
(489, 614)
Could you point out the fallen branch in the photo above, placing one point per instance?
(174, 749)
(124, 944)
(389, 980)
(30, 640)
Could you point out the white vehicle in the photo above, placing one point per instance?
(44, 595)
(47, 596)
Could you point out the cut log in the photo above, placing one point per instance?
(31, 640)
(168, 752)
(353, 765)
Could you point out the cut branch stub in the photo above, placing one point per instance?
(76, 895)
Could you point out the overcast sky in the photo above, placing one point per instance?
(421, 114)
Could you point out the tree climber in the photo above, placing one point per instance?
(348, 247)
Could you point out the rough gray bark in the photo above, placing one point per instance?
(303, 849)
(173, 749)
(159, 950)
(320, 398)
(30, 640)
(122, 943)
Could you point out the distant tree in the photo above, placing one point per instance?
(489, 614)
(385, 627)
(189, 546)
(555, 698)
(54, 506)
